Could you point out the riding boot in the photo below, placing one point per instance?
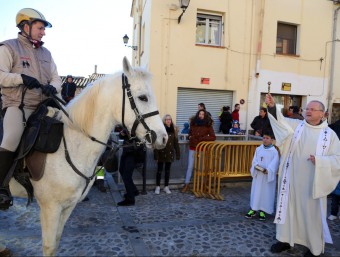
(6, 161)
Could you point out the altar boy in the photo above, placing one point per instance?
(263, 170)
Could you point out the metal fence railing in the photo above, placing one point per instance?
(218, 160)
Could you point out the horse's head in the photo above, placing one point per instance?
(140, 113)
(124, 98)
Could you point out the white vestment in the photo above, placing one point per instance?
(309, 184)
(263, 187)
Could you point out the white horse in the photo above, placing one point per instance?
(93, 113)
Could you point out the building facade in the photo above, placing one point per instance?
(224, 52)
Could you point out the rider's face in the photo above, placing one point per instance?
(37, 31)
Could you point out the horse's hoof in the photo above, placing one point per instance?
(5, 253)
(6, 201)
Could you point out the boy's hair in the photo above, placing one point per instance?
(269, 133)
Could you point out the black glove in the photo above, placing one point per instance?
(49, 90)
(30, 82)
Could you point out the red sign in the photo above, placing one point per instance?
(205, 81)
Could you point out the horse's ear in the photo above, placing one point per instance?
(127, 68)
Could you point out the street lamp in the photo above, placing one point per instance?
(126, 40)
(184, 5)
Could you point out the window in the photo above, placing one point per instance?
(208, 29)
(286, 39)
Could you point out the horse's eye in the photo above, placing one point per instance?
(143, 98)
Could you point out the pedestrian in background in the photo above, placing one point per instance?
(261, 123)
(201, 106)
(289, 111)
(263, 170)
(335, 202)
(235, 114)
(133, 154)
(296, 114)
(166, 156)
(201, 129)
(186, 128)
(226, 120)
(68, 89)
(235, 129)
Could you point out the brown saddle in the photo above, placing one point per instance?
(42, 135)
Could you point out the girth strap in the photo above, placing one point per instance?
(68, 159)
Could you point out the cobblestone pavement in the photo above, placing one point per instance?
(158, 225)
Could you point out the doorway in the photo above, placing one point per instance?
(283, 101)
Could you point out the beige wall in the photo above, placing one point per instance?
(249, 41)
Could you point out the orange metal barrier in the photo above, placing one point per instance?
(221, 159)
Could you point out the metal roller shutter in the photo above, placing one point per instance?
(189, 98)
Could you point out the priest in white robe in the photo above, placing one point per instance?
(309, 171)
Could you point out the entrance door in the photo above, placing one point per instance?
(283, 101)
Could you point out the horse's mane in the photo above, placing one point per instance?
(83, 107)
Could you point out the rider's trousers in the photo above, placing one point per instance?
(13, 127)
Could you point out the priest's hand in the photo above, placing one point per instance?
(270, 100)
(312, 159)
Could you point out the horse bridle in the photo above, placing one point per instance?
(151, 135)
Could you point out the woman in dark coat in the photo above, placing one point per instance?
(201, 129)
(167, 155)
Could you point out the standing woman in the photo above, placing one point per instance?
(201, 129)
(166, 155)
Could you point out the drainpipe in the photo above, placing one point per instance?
(331, 80)
(253, 102)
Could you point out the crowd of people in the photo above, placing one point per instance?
(307, 163)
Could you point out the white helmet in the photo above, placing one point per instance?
(31, 15)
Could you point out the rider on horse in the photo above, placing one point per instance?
(24, 64)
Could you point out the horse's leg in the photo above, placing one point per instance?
(50, 219)
(65, 214)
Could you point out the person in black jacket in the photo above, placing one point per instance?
(131, 155)
(68, 89)
(261, 123)
(336, 127)
(226, 120)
